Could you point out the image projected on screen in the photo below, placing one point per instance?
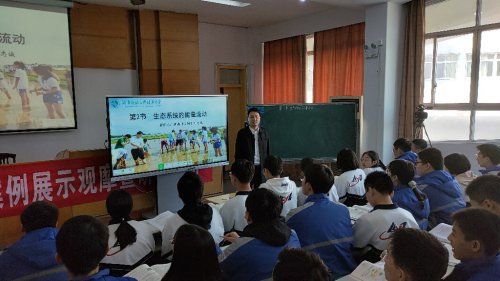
(160, 134)
(36, 91)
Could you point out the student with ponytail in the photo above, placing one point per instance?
(130, 241)
(406, 195)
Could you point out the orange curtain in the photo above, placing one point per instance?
(284, 70)
(339, 62)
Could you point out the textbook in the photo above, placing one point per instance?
(145, 272)
(366, 271)
(441, 232)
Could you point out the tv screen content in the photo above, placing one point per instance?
(36, 84)
(151, 135)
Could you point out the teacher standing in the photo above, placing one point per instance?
(252, 144)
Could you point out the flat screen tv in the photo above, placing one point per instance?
(152, 135)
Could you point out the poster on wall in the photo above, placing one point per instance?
(36, 89)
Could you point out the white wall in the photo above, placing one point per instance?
(467, 148)
(91, 87)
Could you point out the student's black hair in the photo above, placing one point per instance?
(263, 205)
(432, 156)
(420, 143)
(38, 215)
(405, 171)
(306, 162)
(299, 264)
(456, 163)
(347, 160)
(81, 244)
(403, 144)
(408, 243)
(374, 156)
(194, 255)
(320, 177)
(484, 187)
(214, 130)
(253, 109)
(190, 188)
(274, 165)
(480, 224)
(128, 136)
(145, 140)
(139, 133)
(119, 205)
(491, 151)
(379, 181)
(243, 170)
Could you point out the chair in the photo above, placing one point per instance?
(4, 158)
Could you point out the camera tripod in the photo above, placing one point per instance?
(419, 130)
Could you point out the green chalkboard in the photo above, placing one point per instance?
(310, 130)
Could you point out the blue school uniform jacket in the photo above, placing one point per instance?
(35, 252)
(483, 269)
(253, 256)
(490, 171)
(325, 228)
(409, 155)
(406, 199)
(444, 193)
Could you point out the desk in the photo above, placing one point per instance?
(221, 199)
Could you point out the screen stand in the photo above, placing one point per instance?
(166, 190)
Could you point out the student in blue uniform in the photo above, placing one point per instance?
(253, 255)
(406, 196)
(323, 227)
(402, 150)
(488, 157)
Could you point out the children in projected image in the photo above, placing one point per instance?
(193, 140)
(52, 95)
(21, 84)
(121, 162)
(3, 86)
(217, 141)
(204, 138)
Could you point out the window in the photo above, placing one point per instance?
(462, 69)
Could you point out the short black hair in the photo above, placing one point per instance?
(299, 264)
(491, 151)
(139, 133)
(380, 181)
(263, 205)
(128, 136)
(305, 162)
(403, 169)
(480, 224)
(347, 160)
(456, 163)
(274, 165)
(420, 143)
(432, 156)
(408, 243)
(243, 170)
(403, 144)
(320, 177)
(82, 242)
(484, 187)
(38, 215)
(190, 187)
(253, 109)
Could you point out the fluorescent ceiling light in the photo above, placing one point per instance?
(228, 2)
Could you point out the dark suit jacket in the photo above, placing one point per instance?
(245, 145)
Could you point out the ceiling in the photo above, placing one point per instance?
(259, 13)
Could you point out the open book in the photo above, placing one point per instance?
(366, 271)
(145, 272)
(441, 232)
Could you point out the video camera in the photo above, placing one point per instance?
(420, 114)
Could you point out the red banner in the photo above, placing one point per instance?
(63, 182)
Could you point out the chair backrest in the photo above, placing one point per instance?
(4, 158)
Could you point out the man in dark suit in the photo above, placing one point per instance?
(252, 144)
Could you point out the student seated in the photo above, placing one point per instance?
(443, 191)
(415, 255)
(475, 240)
(130, 242)
(35, 252)
(323, 227)
(350, 183)
(488, 157)
(253, 255)
(301, 197)
(194, 257)
(190, 189)
(233, 211)
(81, 244)
(406, 196)
(370, 162)
(418, 145)
(373, 230)
(484, 192)
(299, 264)
(458, 166)
(284, 187)
(402, 150)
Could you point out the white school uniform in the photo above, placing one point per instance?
(286, 190)
(233, 212)
(23, 79)
(352, 182)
